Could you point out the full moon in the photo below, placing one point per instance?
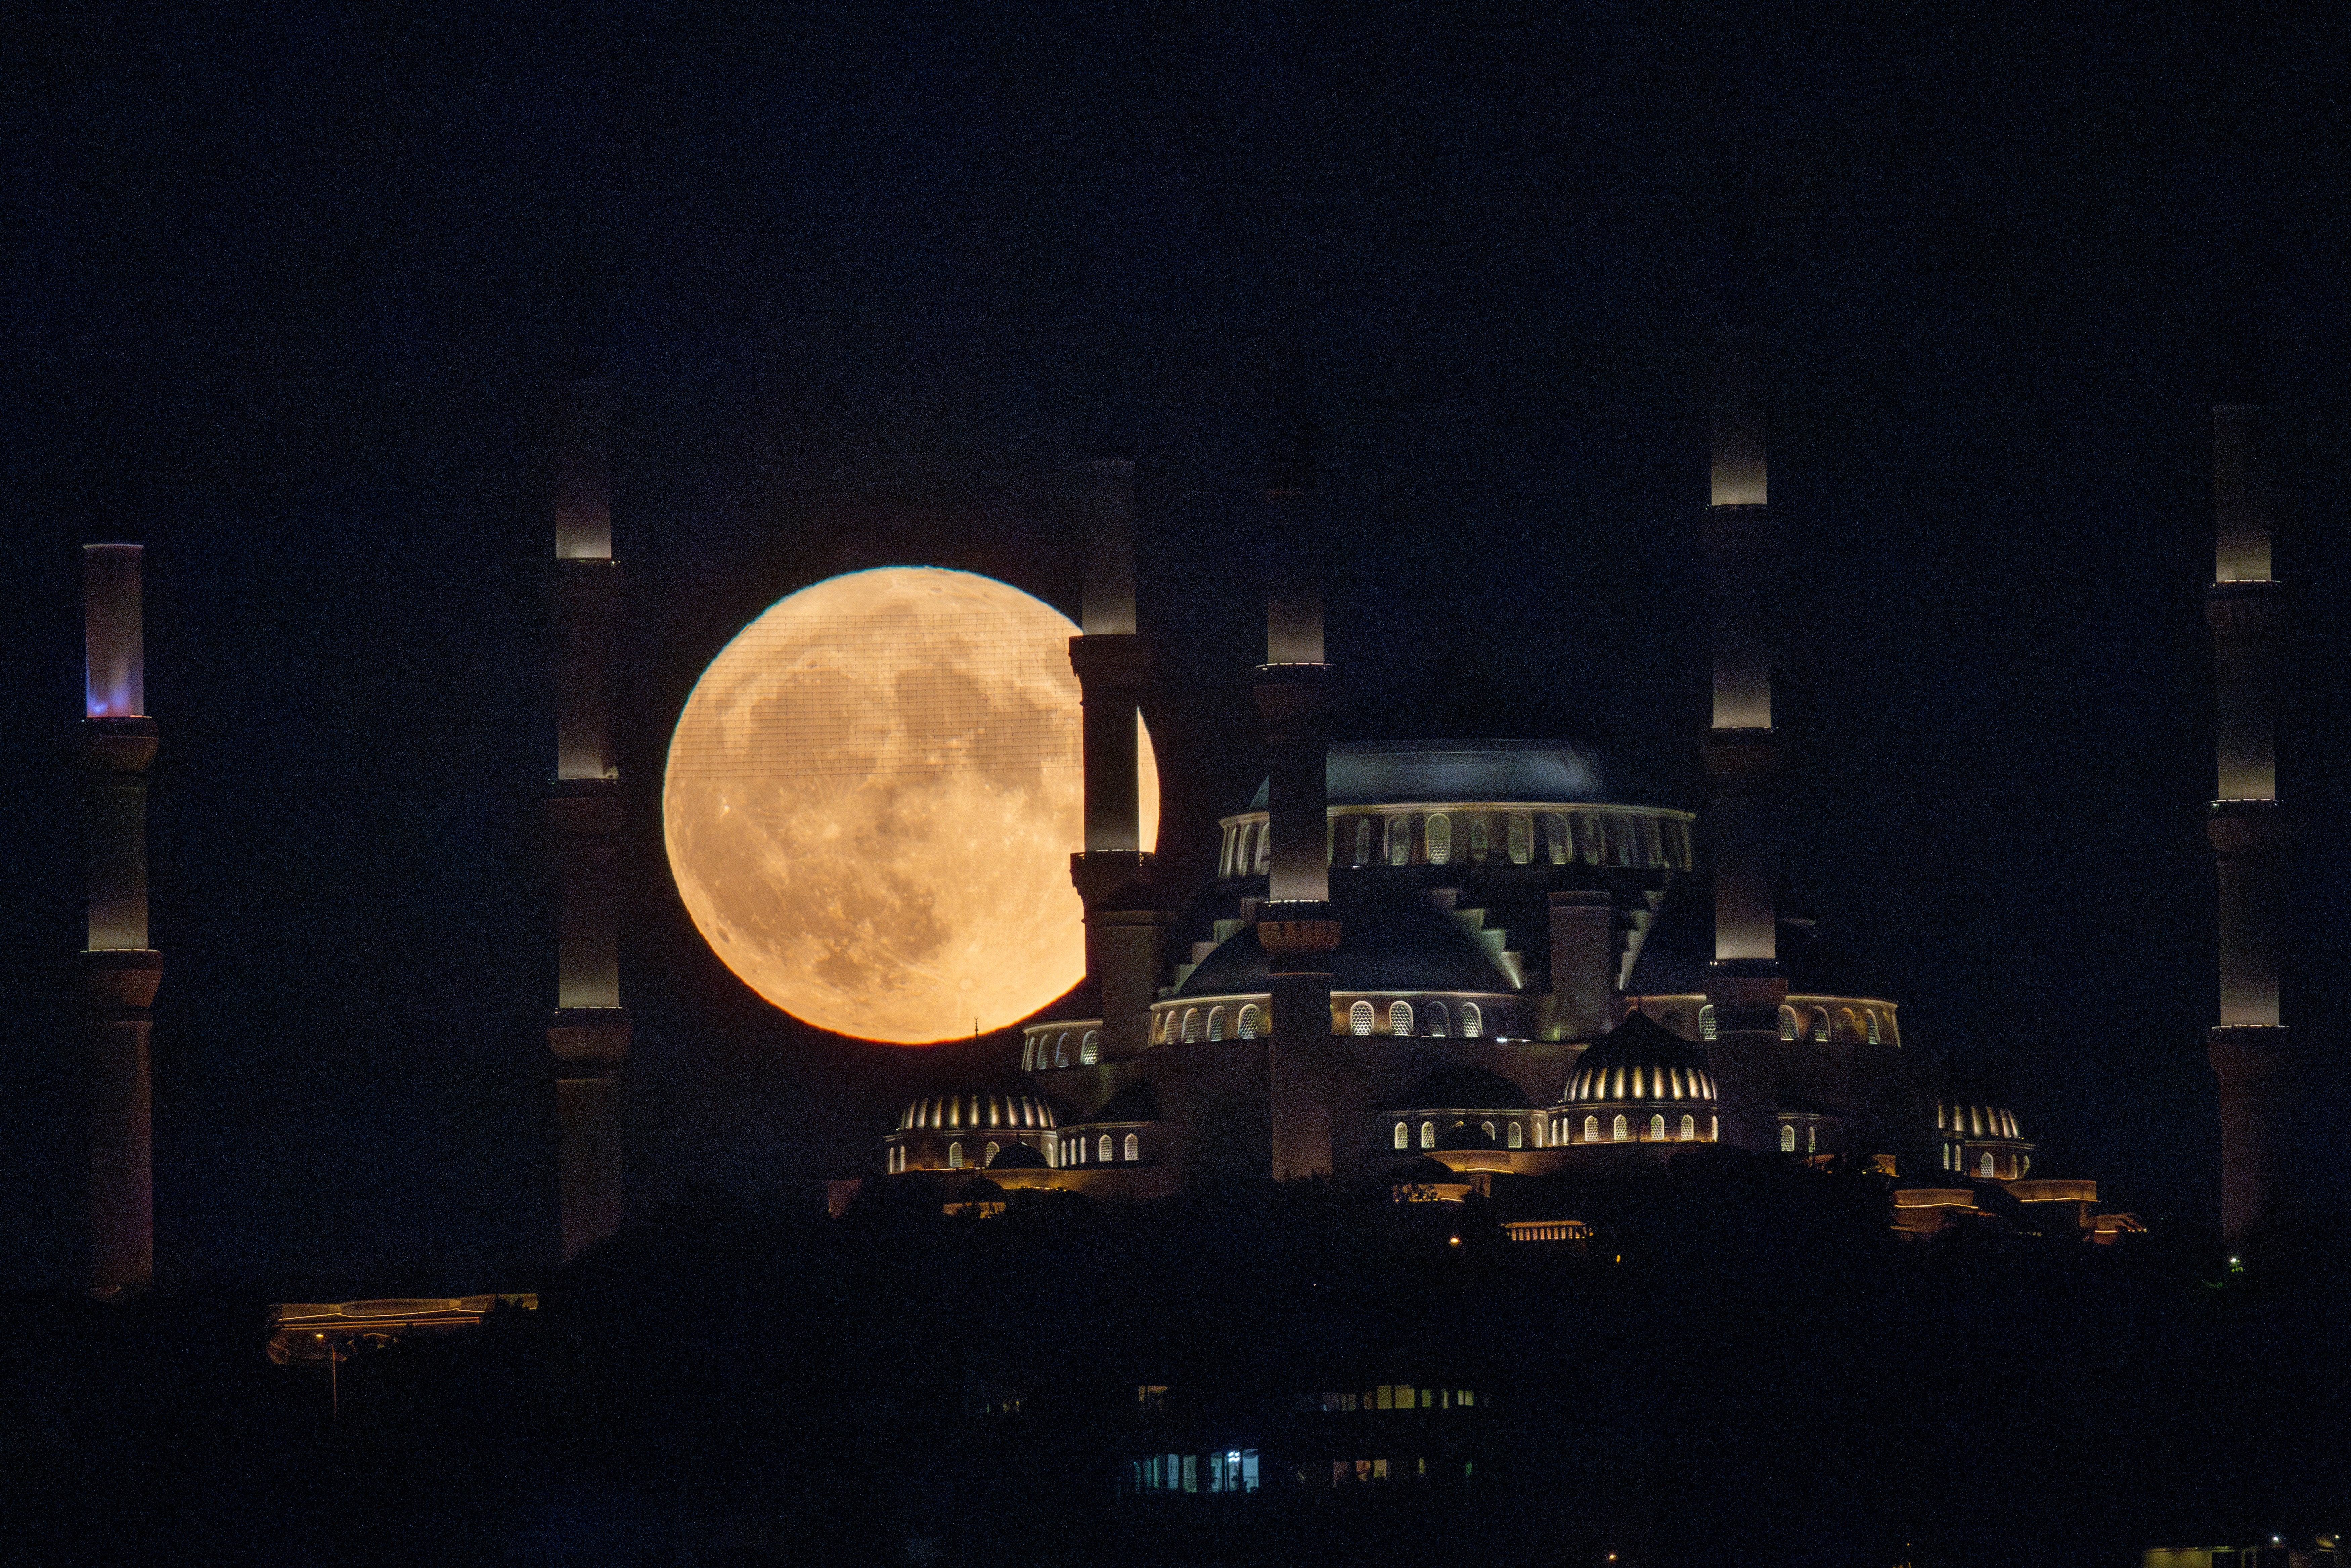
(871, 799)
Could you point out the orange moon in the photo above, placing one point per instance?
(871, 798)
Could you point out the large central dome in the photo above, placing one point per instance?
(1536, 771)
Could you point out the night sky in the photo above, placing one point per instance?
(287, 293)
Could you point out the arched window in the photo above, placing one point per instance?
(1522, 838)
(1249, 1027)
(1588, 846)
(1061, 1048)
(1652, 854)
(1689, 1128)
(1215, 1024)
(1706, 1022)
(1621, 1133)
(1787, 1137)
(1362, 841)
(1871, 1024)
(1264, 856)
(1403, 1138)
(1134, 1147)
(1591, 1129)
(1818, 1026)
(1477, 843)
(1439, 1025)
(1472, 1022)
(1028, 1052)
(1555, 844)
(1428, 1134)
(1399, 1018)
(1090, 1050)
(955, 1156)
(1191, 1025)
(1985, 1167)
(1358, 1018)
(1656, 1128)
(1848, 1027)
(1518, 1136)
(1439, 836)
(1713, 1129)
(1486, 1128)
(1787, 1023)
(1103, 1153)
(994, 1149)
(1811, 1138)
(1399, 841)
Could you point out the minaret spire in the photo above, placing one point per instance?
(589, 1034)
(2250, 1051)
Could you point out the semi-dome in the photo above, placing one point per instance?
(1463, 1088)
(1367, 774)
(1399, 942)
(1639, 1061)
(978, 1110)
(1017, 1157)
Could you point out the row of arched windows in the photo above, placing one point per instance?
(1620, 1130)
(1049, 1051)
(1192, 1025)
(1514, 1134)
(1081, 1150)
(1196, 1024)
(1562, 838)
(1363, 1018)
(1864, 1025)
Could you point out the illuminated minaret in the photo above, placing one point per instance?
(1745, 982)
(118, 971)
(1124, 925)
(2250, 1049)
(589, 1034)
(1296, 924)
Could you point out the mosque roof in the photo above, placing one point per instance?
(1640, 1059)
(1367, 774)
(1399, 942)
(1460, 1087)
(979, 1110)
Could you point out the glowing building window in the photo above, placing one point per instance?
(1787, 1138)
(1061, 1051)
(1362, 841)
(1358, 1018)
(1811, 1138)
(1848, 1026)
(1622, 1131)
(1689, 1128)
(1656, 1128)
(1820, 1024)
(1215, 1024)
(1191, 1025)
(1428, 1134)
(1555, 838)
(1399, 1018)
(1264, 856)
(1248, 1025)
(1591, 1129)
(1787, 1023)
(1588, 848)
(994, 1149)
(1522, 838)
(1471, 1022)
(1438, 1024)
(1478, 840)
(955, 1156)
(1399, 841)
(1707, 1026)
(1985, 1167)
(1713, 1128)
(1871, 1023)
(1029, 1053)
(1486, 1128)
(1517, 1135)
(1402, 1136)
(1440, 834)
(1090, 1051)
(1102, 1150)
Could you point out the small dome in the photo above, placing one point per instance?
(1386, 943)
(979, 1111)
(1463, 1088)
(1639, 1061)
(1977, 1121)
(1017, 1157)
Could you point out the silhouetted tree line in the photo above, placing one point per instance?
(1741, 1366)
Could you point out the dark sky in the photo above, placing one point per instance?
(286, 291)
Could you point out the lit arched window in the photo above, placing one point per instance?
(1522, 838)
(1706, 1022)
(1820, 1023)
(1811, 1138)
(1787, 1138)
(1787, 1023)
(1134, 1147)
(1477, 842)
(1439, 835)
(1848, 1026)
(1555, 838)
(1428, 1134)
(1651, 854)
(1657, 1129)
(1061, 1049)
(1518, 1136)
(1362, 841)
(955, 1156)
(1588, 848)
(1439, 1025)
(1215, 1024)
(1103, 1152)
(1090, 1050)
(1399, 1018)
(1028, 1052)
(1622, 1131)
(1249, 1026)
(1689, 1128)
(1264, 856)
(994, 1149)
(1399, 841)
(1591, 1129)
(1486, 1128)
(1713, 1129)
(1358, 1018)
(1985, 1167)
(1403, 1138)
(1871, 1017)
(1472, 1022)
(1191, 1025)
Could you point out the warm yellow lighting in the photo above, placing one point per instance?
(871, 799)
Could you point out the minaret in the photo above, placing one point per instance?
(1124, 925)
(589, 1034)
(2251, 1051)
(119, 972)
(1296, 924)
(1745, 982)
